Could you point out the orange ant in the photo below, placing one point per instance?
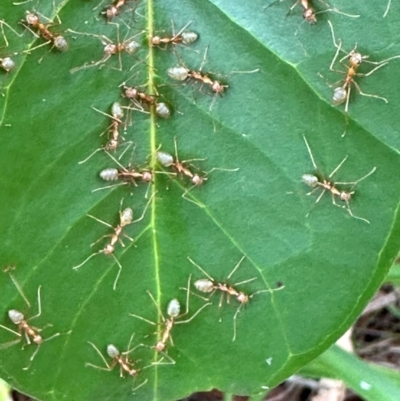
(127, 174)
(181, 73)
(185, 38)
(119, 358)
(326, 185)
(125, 218)
(309, 13)
(31, 333)
(136, 96)
(341, 94)
(182, 168)
(114, 9)
(116, 114)
(33, 21)
(128, 45)
(173, 311)
(210, 285)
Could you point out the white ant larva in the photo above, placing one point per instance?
(33, 22)
(341, 93)
(31, 333)
(185, 38)
(128, 45)
(173, 312)
(326, 185)
(113, 130)
(126, 365)
(125, 219)
(309, 13)
(210, 285)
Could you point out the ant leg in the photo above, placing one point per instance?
(39, 305)
(157, 306)
(104, 236)
(356, 217)
(368, 94)
(200, 268)
(110, 186)
(310, 153)
(320, 196)
(142, 318)
(236, 267)
(387, 8)
(100, 221)
(102, 357)
(271, 4)
(32, 358)
(119, 271)
(140, 385)
(379, 65)
(354, 183)
(234, 321)
(11, 331)
(338, 167)
(333, 9)
(245, 281)
(201, 205)
(165, 355)
(19, 289)
(86, 260)
(145, 208)
(197, 312)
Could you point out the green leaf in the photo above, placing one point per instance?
(370, 381)
(330, 263)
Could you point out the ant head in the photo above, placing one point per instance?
(108, 249)
(218, 88)
(309, 15)
(7, 64)
(32, 18)
(197, 180)
(15, 316)
(243, 298)
(112, 144)
(346, 196)
(110, 49)
(111, 12)
(339, 95)
(147, 176)
(130, 92)
(356, 58)
(37, 339)
(160, 346)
